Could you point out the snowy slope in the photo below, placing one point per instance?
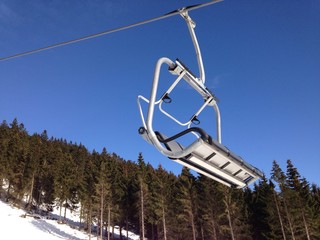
(14, 226)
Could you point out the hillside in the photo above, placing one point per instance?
(17, 224)
(133, 195)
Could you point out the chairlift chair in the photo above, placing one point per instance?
(205, 155)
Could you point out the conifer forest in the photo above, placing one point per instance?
(36, 170)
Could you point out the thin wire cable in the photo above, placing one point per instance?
(170, 14)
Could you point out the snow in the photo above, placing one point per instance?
(16, 224)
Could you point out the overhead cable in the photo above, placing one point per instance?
(170, 14)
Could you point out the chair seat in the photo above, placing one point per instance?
(214, 160)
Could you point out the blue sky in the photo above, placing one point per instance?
(262, 60)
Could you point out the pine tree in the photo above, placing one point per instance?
(161, 198)
(16, 160)
(64, 180)
(279, 177)
(44, 192)
(210, 207)
(152, 204)
(280, 222)
(235, 214)
(129, 170)
(298, 192)
(32, 168)
(103, 190)
(4, 139)
(143, 194)
(265, 217)
(257, 201)
(90, 178)
(118, 191)
(81, 157)
(315, 207)
(186, 199)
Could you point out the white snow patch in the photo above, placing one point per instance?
(14, 225)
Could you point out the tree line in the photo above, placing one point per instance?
(152, 202)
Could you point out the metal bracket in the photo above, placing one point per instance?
(191, 25)
(185, 15)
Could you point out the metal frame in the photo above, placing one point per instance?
(177, 68)
(208, 158)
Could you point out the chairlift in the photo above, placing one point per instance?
(204, 155)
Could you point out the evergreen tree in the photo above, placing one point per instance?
(142, 194)
(103, 191)
(129, 213)
(81, 158)
(64, 180)
(158, 204)
(264, 211)
(152, 204)
(32, 168)
(162, 194)
(4, 164)
(16, 158)
(235, 225)
(315, 206)
(118, 191)
(210, 208)
(279, 177)
(44, 192)
(298, 193)
(279, 222)
(186, 199)
(90, 178)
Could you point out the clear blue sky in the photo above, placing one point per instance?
(262, 60)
